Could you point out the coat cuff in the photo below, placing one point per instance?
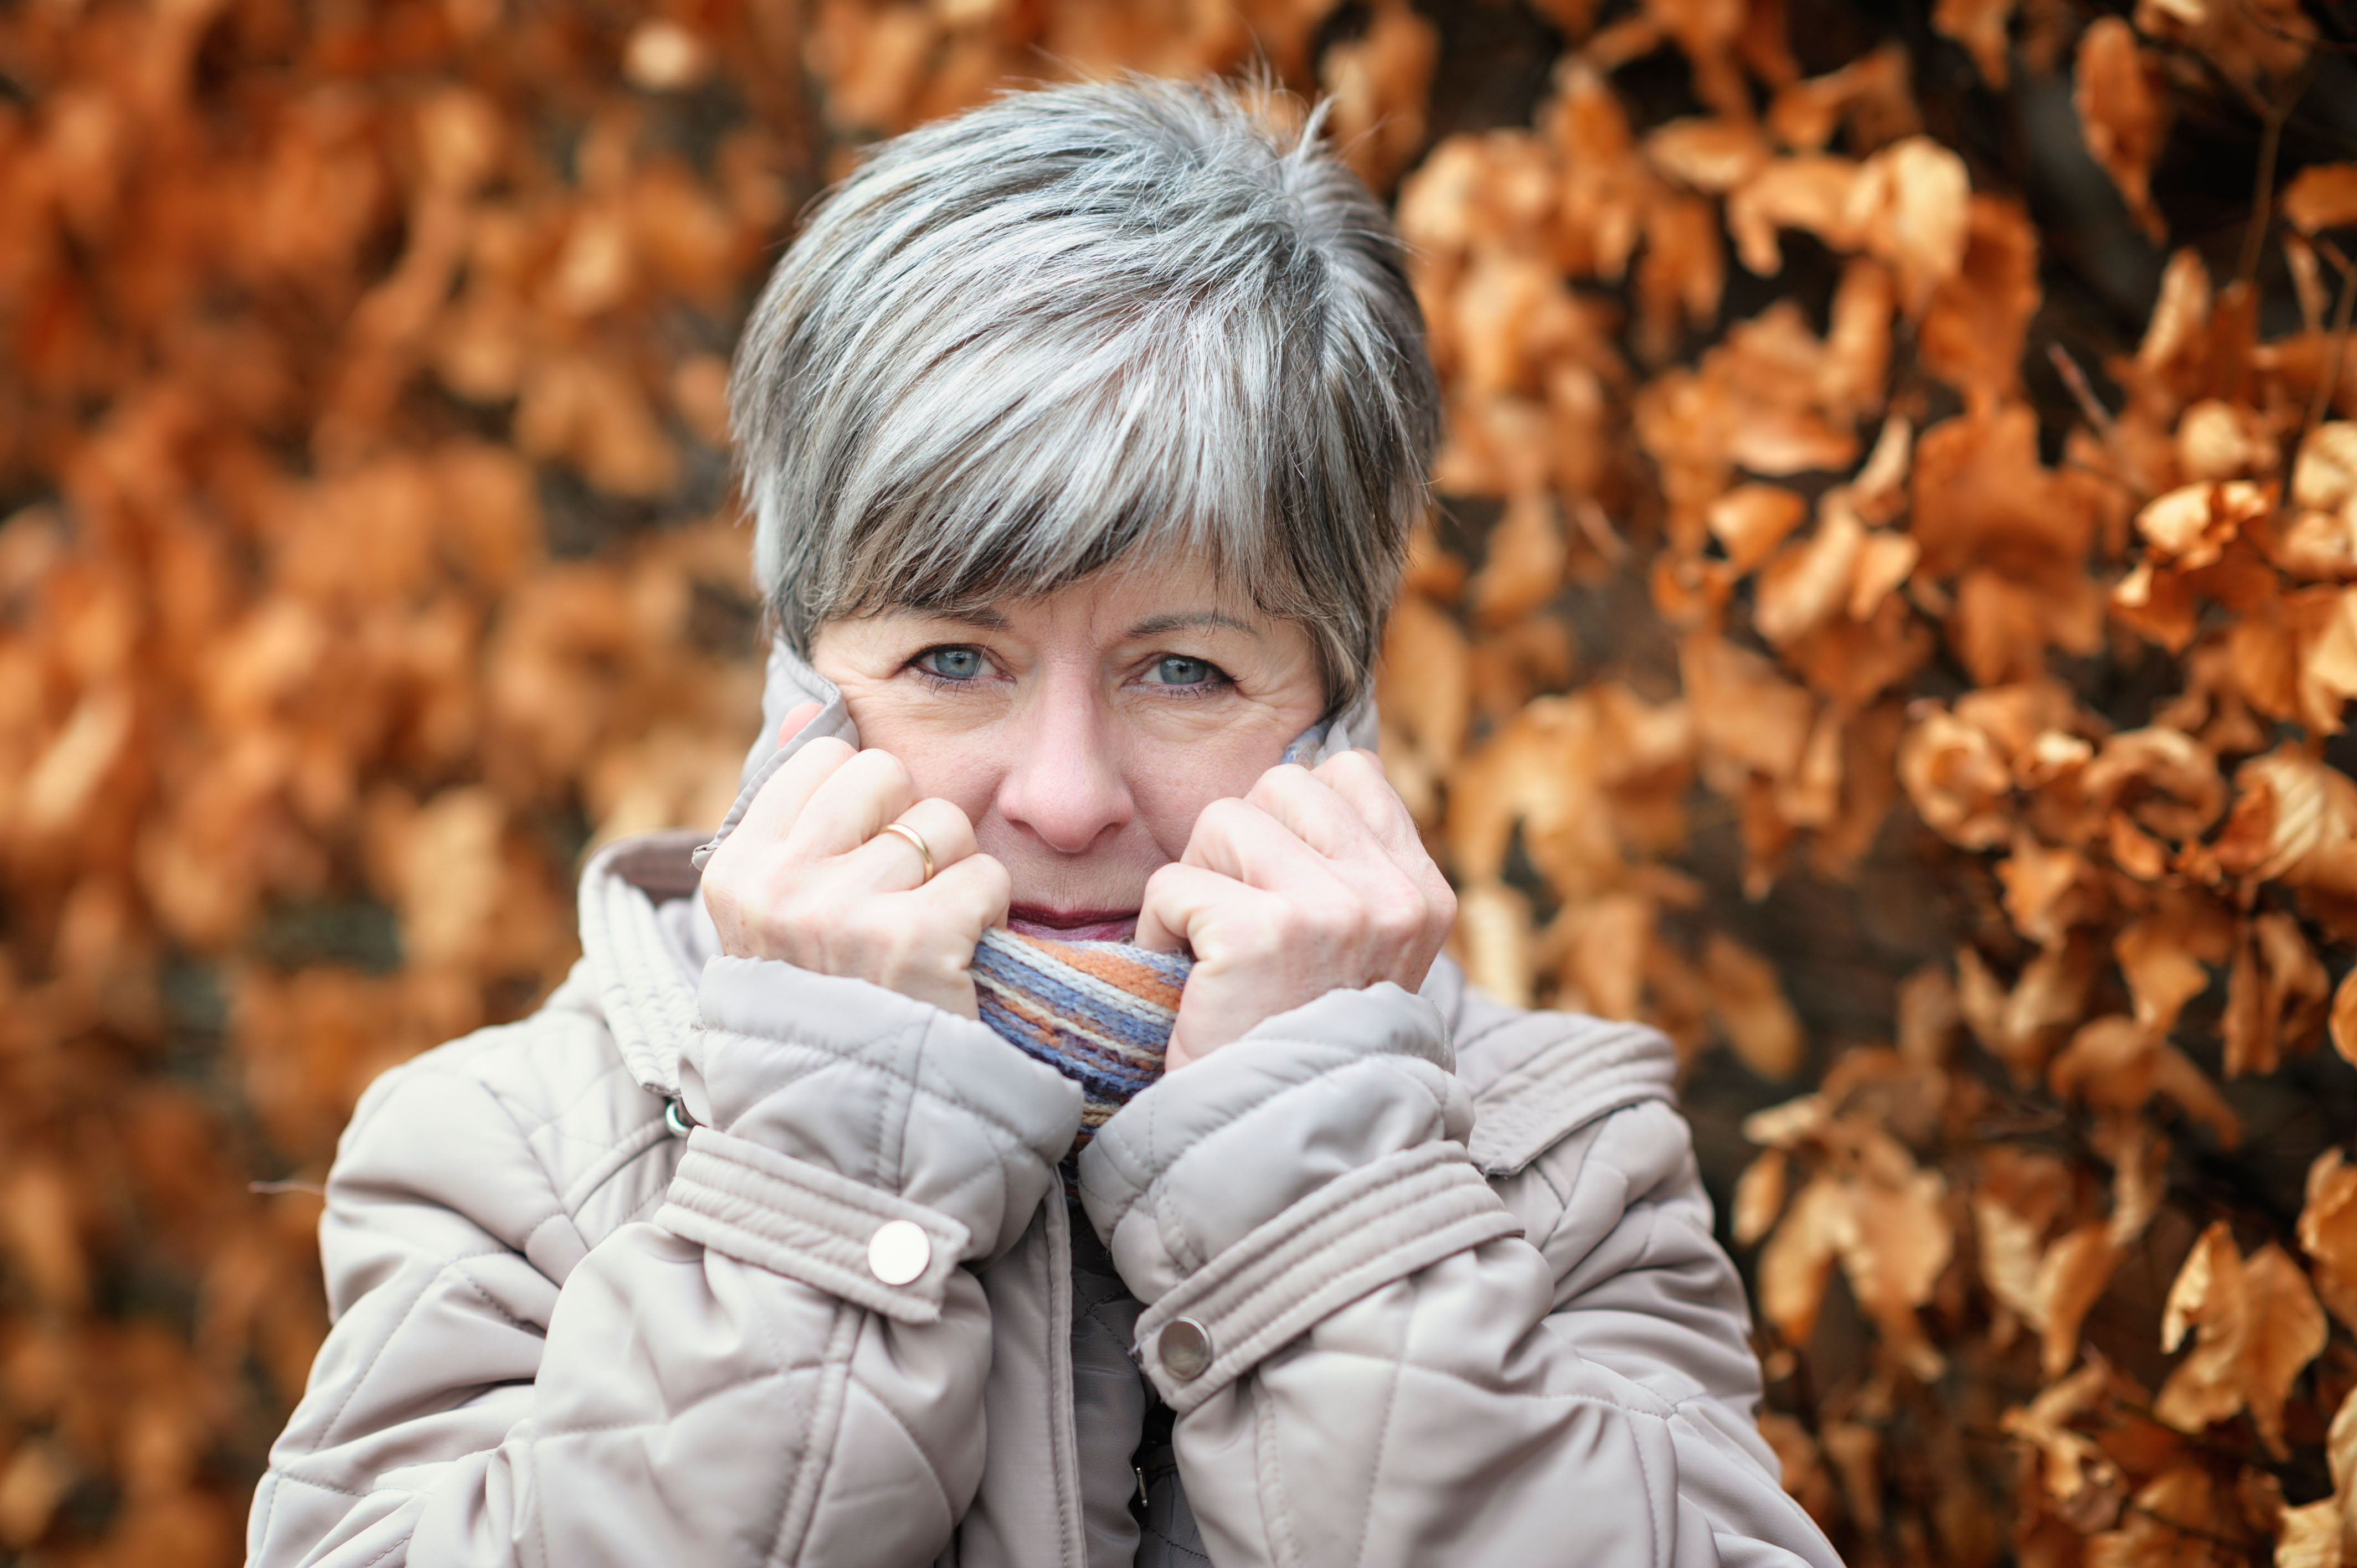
(879, 1090)
(1352, 1237)
(788, 1216)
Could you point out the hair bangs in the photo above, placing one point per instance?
(1082, 326)
(997, 476)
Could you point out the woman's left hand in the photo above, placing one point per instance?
(1314, 882)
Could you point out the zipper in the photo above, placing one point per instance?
(1062, 1420)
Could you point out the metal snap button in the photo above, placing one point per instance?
(898, 1252)
(1185, 1348)
(675, 1118)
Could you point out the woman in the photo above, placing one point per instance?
(1083, 433)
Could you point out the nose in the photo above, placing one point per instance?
(1066, 787)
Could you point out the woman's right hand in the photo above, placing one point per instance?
(811, 878)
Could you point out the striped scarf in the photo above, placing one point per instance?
(1099, 1013)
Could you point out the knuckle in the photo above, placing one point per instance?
(1399, 919)
(817, 760)
(1226, 813)
(1270, 786)
(1286, 924)
(1443, 901)
(721, 897)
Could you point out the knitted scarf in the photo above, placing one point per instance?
(1099, 1013)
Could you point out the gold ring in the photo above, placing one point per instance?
(914, 837)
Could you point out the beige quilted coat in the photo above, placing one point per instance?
(1446, 1269)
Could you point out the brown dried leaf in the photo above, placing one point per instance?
(2325, 476)
(1980, 26)
(1797, 1263)
(1743, 709)
(1493, 930)
(2258, 1325)
(2116, 1064)
(2081, 1481)
(1872, 92)
(2217, 440)
(1378, 84)
(2327, 1231)
(2323, 196)
(2209, 1293)
(2163, 970)
(2122, 114)
(1709, 156)
(1760, 1195)
(1526, 562)
(2139, 1159)
(2009, 1250)
(1901, 1244)
(1958, 779)
(2192, 526)
(1811, 192)
(1749, 521)
(1978, 317)
(2309, 1536)
(1749, 1003)
(2047, 891)
(2071, 1277)
(1911, 207)
(1423, 680)
(2288, 1332)
(2275, 996)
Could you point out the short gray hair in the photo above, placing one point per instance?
(1084, 321)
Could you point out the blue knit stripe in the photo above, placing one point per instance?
(1003, 950)
(1108, 1039)
(1076, 995)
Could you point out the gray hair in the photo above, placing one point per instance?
(1018, 344)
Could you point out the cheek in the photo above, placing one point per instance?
(957, 763)
(1171, 780)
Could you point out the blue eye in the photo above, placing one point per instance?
(951, 663)
(1176, 671)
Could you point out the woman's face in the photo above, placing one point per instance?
(1081, 731)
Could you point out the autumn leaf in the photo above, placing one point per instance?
(2323, 196)
(1751, 1010)
(2122, 114)
(2258, 1326)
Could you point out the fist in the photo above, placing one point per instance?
(811, 878)
(1313, 882)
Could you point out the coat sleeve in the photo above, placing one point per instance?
(729, 1382)
(1377, 1357)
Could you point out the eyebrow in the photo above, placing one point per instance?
(982, 616)
(989, 620)
(1154, 625)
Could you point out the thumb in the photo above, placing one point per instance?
(797, 716)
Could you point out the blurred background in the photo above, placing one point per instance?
(1884, 619)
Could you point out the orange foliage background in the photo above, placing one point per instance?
(1887, 620)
